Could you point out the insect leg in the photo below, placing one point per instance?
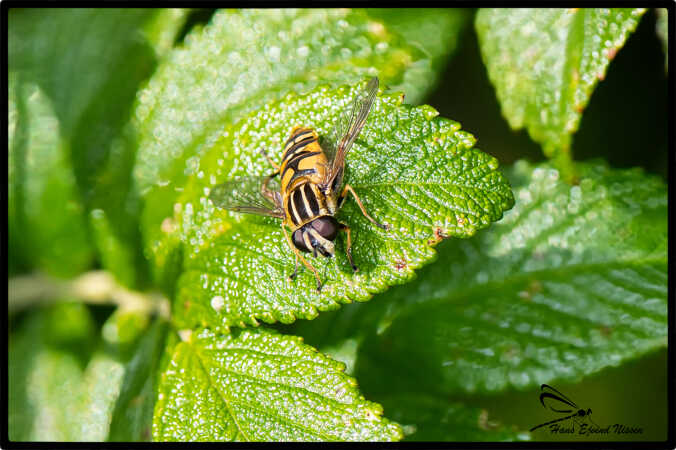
(272, 163)
(274, 197)
(356, 197)
(349, 246)
(299, 256)
(295, 270)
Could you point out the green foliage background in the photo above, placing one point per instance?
(139, 312)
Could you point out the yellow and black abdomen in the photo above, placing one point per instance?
(302, 205)
(303, 165)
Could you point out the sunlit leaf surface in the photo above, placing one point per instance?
(256, 385)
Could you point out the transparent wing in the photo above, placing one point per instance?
(347, 129)
(330, 142)
(245, 194)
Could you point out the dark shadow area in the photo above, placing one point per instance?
(626, 120)
(200, 16)
(633, 394)
(465, 94)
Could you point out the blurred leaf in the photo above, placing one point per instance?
(236, 64)
(69, 325)
(124, 327)
(133, 413)
(427, 418)
(63, 383)
(100, 388)
(163, 28)
(261, 386)
(47, 45)
(90, 63)
(416, 172)
(436, 31)
(54, 398)
(662, 29)
(92, 104)
(571, 281)
(45, 370)
(47, 228)
(115, 253)
(545, 63)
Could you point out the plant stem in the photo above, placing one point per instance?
(95, 287)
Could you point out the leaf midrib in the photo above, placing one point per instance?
(428, 183)
(220, 394)
(516, 279)
(228, 401)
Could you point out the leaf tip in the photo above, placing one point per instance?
(428, 112)
(253, 321)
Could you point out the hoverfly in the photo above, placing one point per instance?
(309, 193)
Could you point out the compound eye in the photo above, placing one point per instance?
(298, 240)
(326, 226)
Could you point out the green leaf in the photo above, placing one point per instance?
(571, 281)
(91, 74)
(163, 28)
(239, 62)
(47, 226)
(662, 29)
(57, 63)
(416, 172)
(436, 31)
(133, 413)
(46, 356)
(114, 250)
(545, 63)
(65, 382)
(427, 418)
(53, 398)
(257, 385)
(92, 105)
(123, 328)
(100, 385)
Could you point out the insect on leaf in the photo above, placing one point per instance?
(238, 63)
(414, 171)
